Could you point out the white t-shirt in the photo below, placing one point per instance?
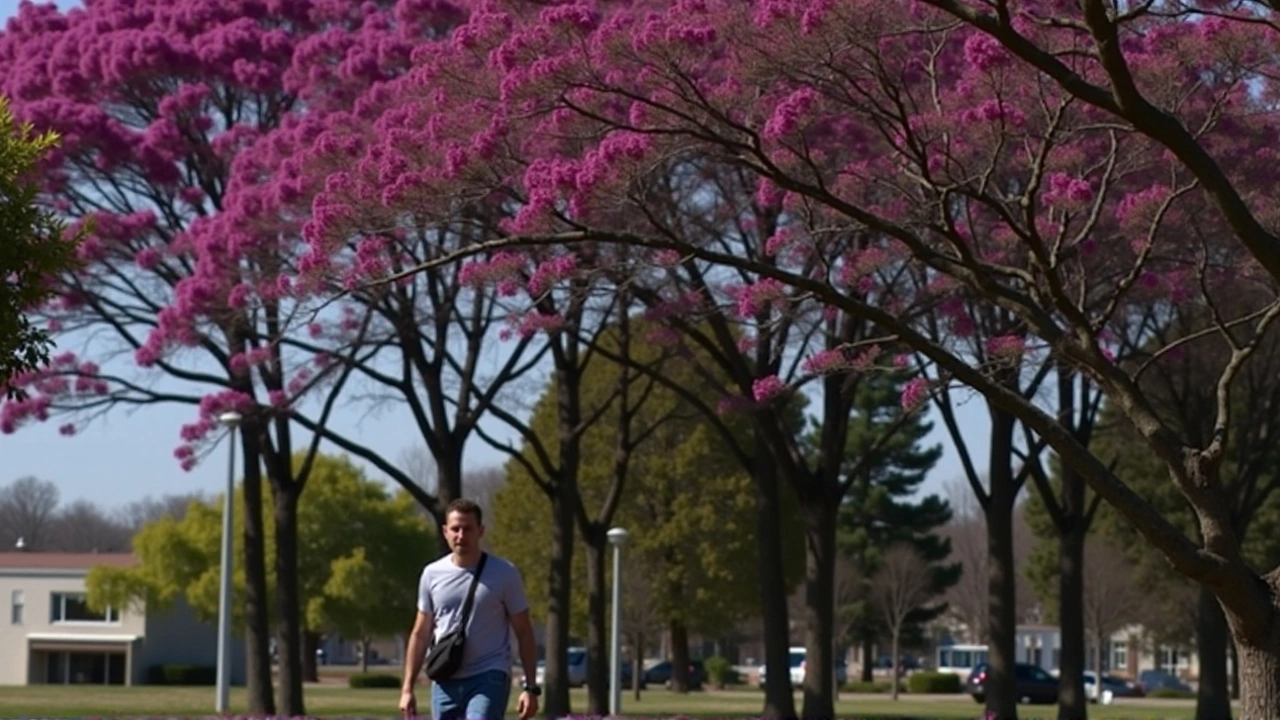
(442, 591)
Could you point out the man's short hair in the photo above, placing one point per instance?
(466, 507)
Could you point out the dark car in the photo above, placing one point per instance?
(660, 674)
(1034, 685)
(1152, 680)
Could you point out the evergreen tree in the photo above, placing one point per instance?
(884, 471)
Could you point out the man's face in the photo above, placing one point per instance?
(462, 532)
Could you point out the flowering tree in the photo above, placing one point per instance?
(991, 340)
(573, 319)
(768, 341)
(1019, 186)
(159, 105)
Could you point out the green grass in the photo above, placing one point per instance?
(337, 700)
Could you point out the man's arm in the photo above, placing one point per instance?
(416, 651)
(523, 628)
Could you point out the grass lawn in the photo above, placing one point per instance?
(338, 701)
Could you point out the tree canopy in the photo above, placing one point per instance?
(349, 528)
(35, 248)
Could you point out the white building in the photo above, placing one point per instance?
(48, 635)
(1126, 655)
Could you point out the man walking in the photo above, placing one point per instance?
(483, 597)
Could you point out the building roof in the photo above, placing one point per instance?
(63, 561)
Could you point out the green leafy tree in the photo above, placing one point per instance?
(1167, 608)
(33, 249)
(345, 521)
(360, 597)
(886, 463)
(688, 504)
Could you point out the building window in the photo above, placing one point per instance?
(1119, 655)
(1173, 660)
(72, 608)
(19, 602)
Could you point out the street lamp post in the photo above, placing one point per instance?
(231, 421)
(617, 536)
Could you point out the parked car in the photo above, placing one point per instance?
(660, 674)
(797, 662)
(1152, 680)
(797, 668)
(1034, 685)
(578, 669)
(1112, 687)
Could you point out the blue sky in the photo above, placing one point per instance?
(128, 455)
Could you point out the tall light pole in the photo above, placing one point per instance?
(617, 536)
(231, 421)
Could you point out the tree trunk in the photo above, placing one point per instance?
(637, 662)
(1072, 703)
(559, 608)
(819, 607)
(1001, 692)
(257, 626)
(779, 702)
(448, 488)
(1099, 645)
(364, 653)
(893, 654)
(868, 660)
(679, 657)
(598, 651)
(1260, 671)
(289, 630)
(310, 663)
(1213, 696)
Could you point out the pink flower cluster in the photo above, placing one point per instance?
(1006, 347)
(1067, 190)
(755, 298)
(915, 393)
(768, 388)
(826, 361)
(502, 266)
(66, 379)
(551, 271)
(790, 113)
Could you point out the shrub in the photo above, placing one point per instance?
(879, 686)
(720, 671)
(179, 674)
(373, 680)
(933, 683)
(1171, 693)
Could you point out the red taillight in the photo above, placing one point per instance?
(982, 676)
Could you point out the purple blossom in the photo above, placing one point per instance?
(767, 388)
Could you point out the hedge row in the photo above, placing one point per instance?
(179, 674)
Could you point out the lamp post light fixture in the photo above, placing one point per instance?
(617, 536)
(231, 421)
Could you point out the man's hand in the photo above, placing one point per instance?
(408, 703)
(527, 705)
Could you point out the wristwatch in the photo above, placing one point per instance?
(532, 689)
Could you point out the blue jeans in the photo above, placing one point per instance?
(477, 697)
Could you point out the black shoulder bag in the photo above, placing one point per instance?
(445, 656)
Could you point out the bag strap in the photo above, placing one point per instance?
(471, 596)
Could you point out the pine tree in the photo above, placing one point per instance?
(882, 509)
